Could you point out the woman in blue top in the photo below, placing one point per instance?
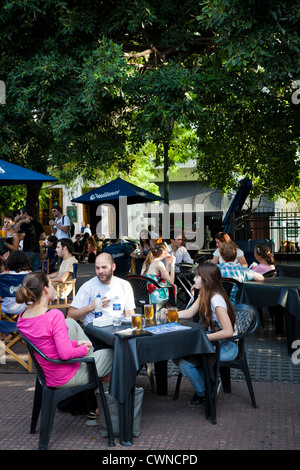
(154, 268)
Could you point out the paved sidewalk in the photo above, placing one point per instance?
(169, 425)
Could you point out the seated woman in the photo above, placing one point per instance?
(91, 249)
(78, 247)
(265, 258)
(55, 336)
(144, 244)
(217, 315)
(154, 268)
(221, 238)
(17, 263)
(144, 247)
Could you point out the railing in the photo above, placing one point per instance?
(283, 227)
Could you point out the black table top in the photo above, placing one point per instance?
(131, 354)
(273, 291)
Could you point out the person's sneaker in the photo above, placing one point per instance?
(196, 400)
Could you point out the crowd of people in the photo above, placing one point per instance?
(109, 291)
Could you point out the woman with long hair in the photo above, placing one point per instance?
(144, 242)
(217, 315)
(55, 336)
(223, 237)
(164, 274)
(12, 238)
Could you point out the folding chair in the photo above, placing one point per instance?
(184, 281)
(64, 300)
(47, 398)
(9, 283)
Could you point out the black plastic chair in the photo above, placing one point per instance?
(246, 324)
(272, 273)
(229, 283)
(47, 398)
(139, 285)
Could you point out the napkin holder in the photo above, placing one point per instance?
(102, 321)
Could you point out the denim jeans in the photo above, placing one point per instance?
(34, 259)
(195, 374)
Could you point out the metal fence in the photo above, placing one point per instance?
(282, 227)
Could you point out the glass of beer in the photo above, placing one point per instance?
(148, 311)
(172, 314)
(137, 321)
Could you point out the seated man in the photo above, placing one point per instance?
(180, 252)
(112, 289)
(64, 250)
(122, 254)
(236, 271)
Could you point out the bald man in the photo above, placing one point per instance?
(113, 290)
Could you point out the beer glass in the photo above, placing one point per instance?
(148, 311)
(172, 314)
(137, 321)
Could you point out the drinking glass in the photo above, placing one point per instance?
(137, 321)
(148, 311)
(172, 314)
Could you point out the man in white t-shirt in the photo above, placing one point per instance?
(61, 225)
(180, 252)
(113, 290)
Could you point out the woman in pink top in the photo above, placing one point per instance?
(265, 258)
(56, 337)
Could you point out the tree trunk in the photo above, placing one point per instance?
(32, 199)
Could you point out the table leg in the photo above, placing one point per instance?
(161, 376)
(126, 416)
(291, 331)
(210, 392)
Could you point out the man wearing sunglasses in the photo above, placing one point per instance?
(61, 224)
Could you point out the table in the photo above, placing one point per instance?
(131, 354)
(274, 291)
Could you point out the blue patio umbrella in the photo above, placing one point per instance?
(237, 203)
(11, 174)
(114, 193)
(111, 192)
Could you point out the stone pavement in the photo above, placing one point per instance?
(169, 425)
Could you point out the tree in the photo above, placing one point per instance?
(103, 78)
(248, 124)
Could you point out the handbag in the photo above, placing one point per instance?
(114, 414)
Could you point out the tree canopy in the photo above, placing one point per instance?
(89, 83)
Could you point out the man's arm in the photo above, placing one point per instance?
(79, 313)
(56, 225)
(128, 313)
(62, 278)
(186, 258)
